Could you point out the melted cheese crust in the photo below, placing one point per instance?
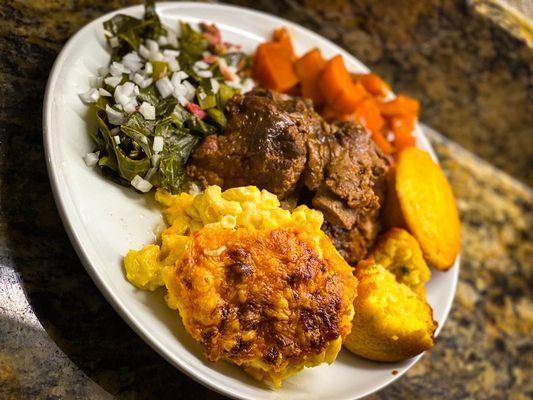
(273, 301)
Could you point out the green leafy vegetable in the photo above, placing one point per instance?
(141, 134)
(130, 30)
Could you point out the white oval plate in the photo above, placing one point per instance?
(104, 220)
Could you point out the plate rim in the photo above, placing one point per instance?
(61, 198)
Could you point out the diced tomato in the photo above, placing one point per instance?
(195, 110)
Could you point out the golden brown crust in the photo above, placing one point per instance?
(400, 253)
(391, 322)
(428, 207)
(269, 300)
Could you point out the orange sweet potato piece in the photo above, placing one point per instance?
(374, 84)
(311, 90)
(273, 69)
(308, 68)
(426, 206)
(334, 79)
(350, 98)
(401, 105)
(310, 64)
(369, 115)
(382, 143)
(282, 36)
(403, 127)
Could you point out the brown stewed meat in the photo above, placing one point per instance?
(353, 190)
(265, 144)
(281, 144)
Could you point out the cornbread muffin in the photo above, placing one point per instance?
(422, 201)
(272, 301)
(391, 322)
(400, 253)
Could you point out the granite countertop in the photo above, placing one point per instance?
(60, 339)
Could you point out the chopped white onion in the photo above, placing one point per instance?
(115, 117)
(104, 93)
(91, 159)
(117, 69)
(200, 65)
(125, 93)
(140, 184)
(91, 96)
(132, 61)
(155, 159)
(144, 52)
(157, 56)
(113, 81)
(116, 139)
(148, 68)
(150, 173)
(191, 91)
(194, 189)
(103, 71)
(130, 106)
(182, 75)
(204, 74)
(235, 84)
(183, 101)
(202, 95)
(152, 45)
(158, 144)
(172, 38)
(114, 42)
(179, 90)
(215, 86)
(147, 110)
(175, 79)
(147, 82)
(247, 85)
(171, 53)
(95, 81)
(115, 131)
(162, 40)
(165, 87)
(138, 79)
(173, 65)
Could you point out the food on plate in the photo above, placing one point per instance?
(279, 143)
(308, 67)
(261, 279)
(273, 65)
(337, 94)
(399, 252)
(264, 144)
(422, 201)
(272, 301)
(185, 213)
(160, 94)
(391, 322)
(256, 285)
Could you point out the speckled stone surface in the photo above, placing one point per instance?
(59, 338)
